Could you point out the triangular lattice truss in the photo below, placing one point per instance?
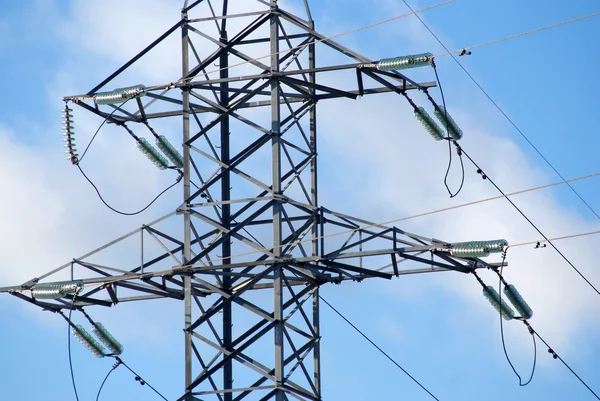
(249, 242)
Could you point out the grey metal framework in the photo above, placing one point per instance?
(255, 245)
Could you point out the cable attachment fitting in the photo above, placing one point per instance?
(551, 351)
(540, 245)
(481, 173)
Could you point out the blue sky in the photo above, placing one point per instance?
(376, 162)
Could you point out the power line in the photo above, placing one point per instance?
(413, 12)
(556, 356)
(378, 348)
(116, 365)
(557, 238)
(138, 378)
(450, 53)
(512, 36)
(480, 171)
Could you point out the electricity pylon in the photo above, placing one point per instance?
(252, 244)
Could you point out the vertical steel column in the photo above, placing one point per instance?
(277, 206)
(315, 202)
(226, 208)
(187, 284)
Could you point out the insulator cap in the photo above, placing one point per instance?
(502, 307)
(448, 122)
(165, 146)
(518, 302)
(90, 342)
(120, 95)
(404, 62)
(429, 123)
(152, 154)
(56, 290)
(103, 335)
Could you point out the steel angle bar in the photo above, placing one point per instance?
(287, 361)
(234, 354)
(231, 201)
(222, 17)
(154, 236)
(234, 390)
(451, 266)
(322, 39)
(300, 361)
(234, 232)
(366, 273)
(231, 50)
(347, 245)
(230, 109)
(29, 284)
(227, 298)
(100, 269)
(204, 367)
(226, 113)
(317, 87)
(264, 40)
(223, 169)
(299, 301)
(137, 57)
(241, 35)
(204, 73)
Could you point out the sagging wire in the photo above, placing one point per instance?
(143, 145)
(448, 137)
(500, 282)
(506, 313)
(115, 366)
(69, 345)
(129, 213)
(526, 313)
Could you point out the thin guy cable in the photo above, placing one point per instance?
(383, 22)
(556, 356)
(500, 280)
(530, 222)
(381, 224)
(585, 234)
(116, 365)
(450, 53)
(128, 213)
(558, 238)
(139, 378)
(378, 348)
(171, 270)
(317, 41)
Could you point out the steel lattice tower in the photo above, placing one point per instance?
(255, 245)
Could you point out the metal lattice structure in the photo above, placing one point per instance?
(250, 242)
